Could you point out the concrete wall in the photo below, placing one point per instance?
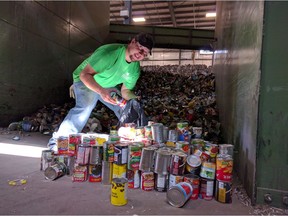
(237, 66)
(41, 43)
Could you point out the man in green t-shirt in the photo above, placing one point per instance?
(97, 76)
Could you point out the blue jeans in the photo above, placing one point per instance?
(78, 116)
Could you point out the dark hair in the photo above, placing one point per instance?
(145, 40)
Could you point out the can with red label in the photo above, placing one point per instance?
(89, 139)
(63, 145)
(134, 155)
(224, 167)
(95, 173)
(80, 173)
(177, 164)
(179, 194)
(184, 146)
(133, 178)
(194, 180)
(147, 181)
(206, 189)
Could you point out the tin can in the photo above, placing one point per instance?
(147, 158)
(178, 161)
(89, 139)
(194, 180)
(83, 154)
(121, 153)
(108, 151)
(96, 155)
(179, 194)
(161, 182)
(107, 172)
(162, 161)
(140, 132)
(170, 143)
(165, 133)
(119, 191)
(157, 132)
(95, 173)
(223, 191)
(134, 155)
(80, 173)
(147, 181)
(133, 178)
(69, 162)
(119, 170)
(118, 99)
(193, 164)
(62, 145)
(175, 179)
(207, 189)
(197, 132)
(47, 157)
(75, 138)
(212, 150)
(55, 171)
(173, 135)
(197, 144)
(224, 168)
(208, 170)
(183, 132)
(184, 146)
(148, 132)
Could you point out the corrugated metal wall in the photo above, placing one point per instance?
(237, 66)
(41, 42)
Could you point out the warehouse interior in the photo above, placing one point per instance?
(244, 46)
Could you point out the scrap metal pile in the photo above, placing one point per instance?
(169, 94)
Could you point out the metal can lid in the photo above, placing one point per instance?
(175, 196)
(193, 160)
(50, 173)
(119, 180)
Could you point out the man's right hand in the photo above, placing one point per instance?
(106, 95)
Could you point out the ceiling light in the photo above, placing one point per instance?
(139, 19)
(211, 14)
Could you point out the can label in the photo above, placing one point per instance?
(95, 173)
(83, 155)
(177, 166)
(183, 133)
(119, 170)
(207, 188)
(89, 139)
(223, 192)
(133, 178)
(79, 174)
(119, 191)
(161, 182)
(120, 154)
(208, 170)
(62, 144)
(194, 181)
(175, 179)
(134, 156)
(147, 181)
(184, 146)
(75, 139)
(108, 154)
(224, 169)
(148, 132)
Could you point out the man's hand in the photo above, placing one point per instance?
(71, 91)
(106, 95)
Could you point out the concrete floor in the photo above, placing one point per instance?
(63, 197)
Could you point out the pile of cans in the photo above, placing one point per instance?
(150, 158)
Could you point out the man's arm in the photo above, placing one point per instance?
(87, 77)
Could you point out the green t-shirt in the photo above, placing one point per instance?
(111, 67)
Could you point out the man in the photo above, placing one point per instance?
(97, 76)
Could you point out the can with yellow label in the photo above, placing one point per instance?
(119, 191)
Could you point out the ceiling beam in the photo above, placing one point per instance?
(172, 14)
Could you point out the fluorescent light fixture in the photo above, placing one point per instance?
(139, 19)
(211, 14)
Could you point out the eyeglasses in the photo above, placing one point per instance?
(142, 50)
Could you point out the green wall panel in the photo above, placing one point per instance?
(272, 161)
